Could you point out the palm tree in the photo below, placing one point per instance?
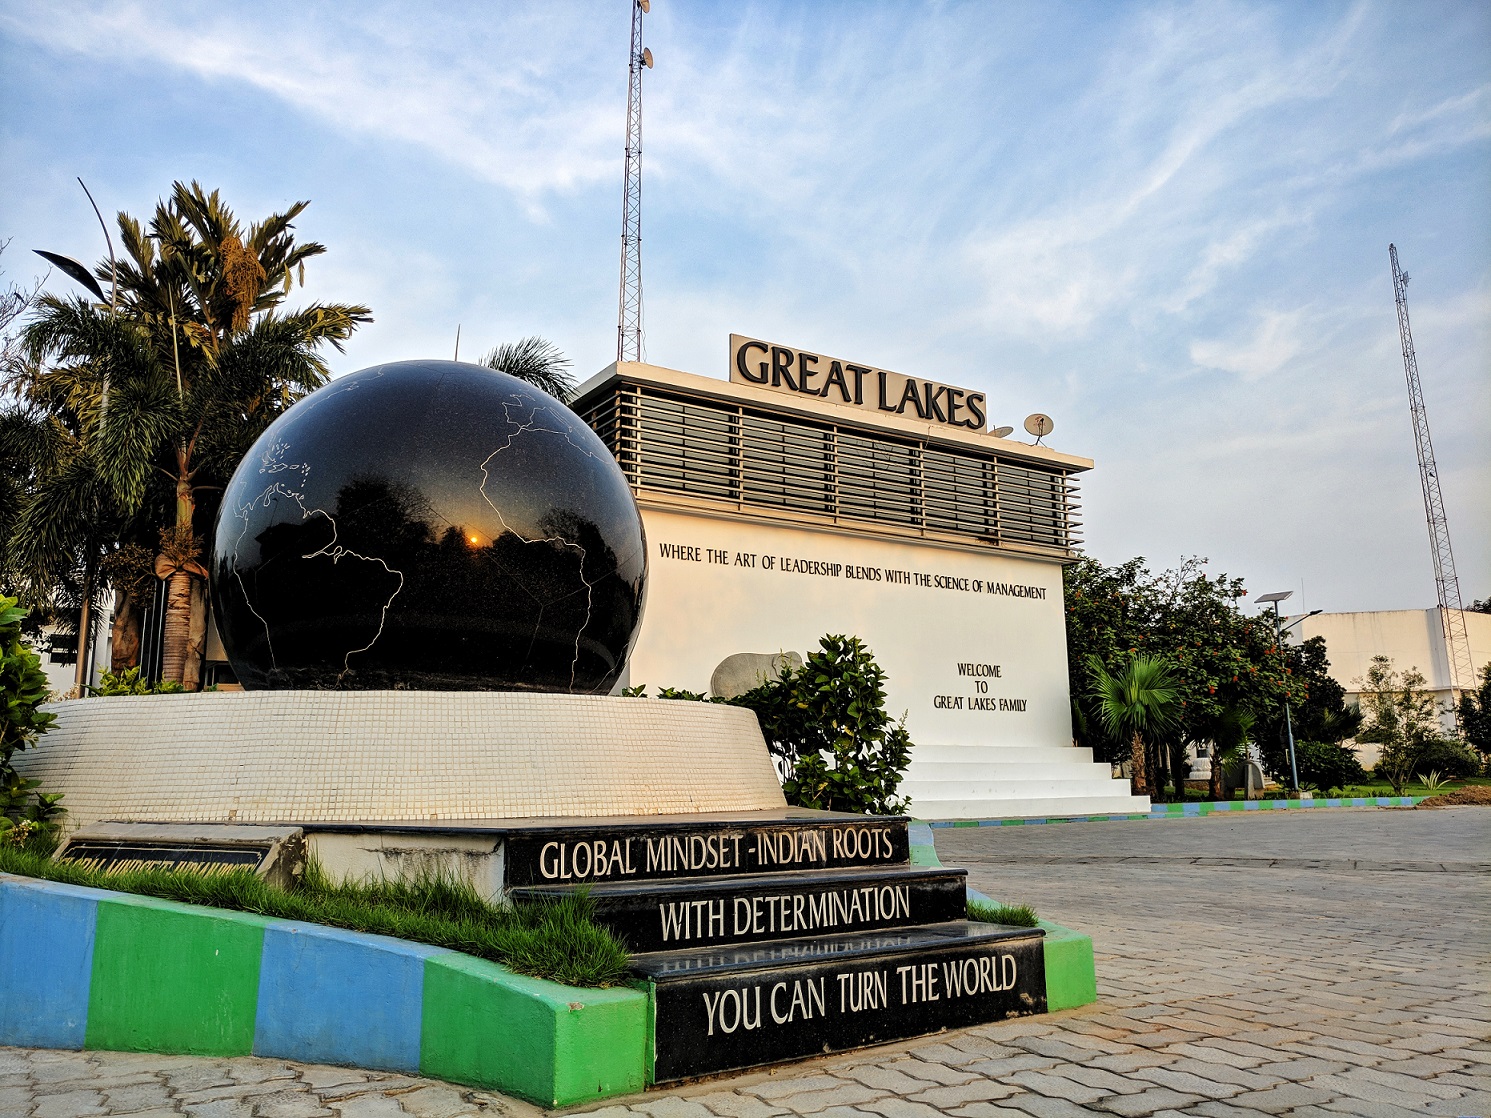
(539, 362)
(199, 360)
(1140, 699)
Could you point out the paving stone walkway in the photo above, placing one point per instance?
(1316, 964)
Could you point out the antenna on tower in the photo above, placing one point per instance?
(1451, 612)
(629, 316)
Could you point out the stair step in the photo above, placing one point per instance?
(934, 751)
(1018, 789)
(726, 1008)
(656, 850)
(1033, 807)
(1008, 770)
(656, 916)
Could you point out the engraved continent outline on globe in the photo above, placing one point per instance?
(502, 544)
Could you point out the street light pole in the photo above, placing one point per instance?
(1274, 600)
(1288, 719)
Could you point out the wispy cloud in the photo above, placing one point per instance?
(469, 89)
(1274, 342)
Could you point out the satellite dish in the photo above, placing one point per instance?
(1002, 432)
(1039, 425)
(645, 5)
(647, 55)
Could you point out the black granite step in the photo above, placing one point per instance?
(725, 1008)
(653, 850)
(656, 916)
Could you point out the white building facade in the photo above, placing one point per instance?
(1411, 638)
(828, 503)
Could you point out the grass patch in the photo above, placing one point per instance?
(1017, 915)
(558, 940)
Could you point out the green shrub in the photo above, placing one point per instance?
(129, 682)
(827, 725)
(1327, 765)
(1450, 758)
(1016, 915)
(679, 693)
(23, 688)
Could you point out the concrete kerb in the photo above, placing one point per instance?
(92, 968)
(1071, 971)
(1193, 811)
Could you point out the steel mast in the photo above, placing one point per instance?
(629, 315)
(1451, 612)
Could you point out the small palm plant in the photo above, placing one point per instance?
(1140, 699)
(1432, 780)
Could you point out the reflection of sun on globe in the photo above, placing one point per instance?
(434, 526)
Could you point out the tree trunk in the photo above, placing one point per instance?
(177, 630)
(82, 673)
(125, 647)
(1218, 785)
(1180, 768)
(177, 564)
(1154, 769)
(1136, 760)
(196, 643)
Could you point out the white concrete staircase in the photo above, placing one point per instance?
(1013, 782)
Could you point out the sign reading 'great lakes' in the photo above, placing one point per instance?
(804, 373)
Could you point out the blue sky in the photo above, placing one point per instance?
(1165, 225)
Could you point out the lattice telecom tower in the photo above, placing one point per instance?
(629, 316)
(1451, 613)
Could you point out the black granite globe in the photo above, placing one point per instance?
(429, 525)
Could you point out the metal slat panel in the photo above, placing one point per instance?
(715, 449)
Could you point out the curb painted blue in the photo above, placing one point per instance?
(46, 962)
(331, 996)
(1184, 811)
(303, 992)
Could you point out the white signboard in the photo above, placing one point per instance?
(974, 645)
(803, 373)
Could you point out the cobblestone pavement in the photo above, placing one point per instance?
(1317, 964)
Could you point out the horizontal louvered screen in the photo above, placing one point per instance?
(706, 448)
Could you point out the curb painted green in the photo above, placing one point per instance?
(160, 976)
(555, 1045)
(170, 977)
(1071, 970)
(1188, 810)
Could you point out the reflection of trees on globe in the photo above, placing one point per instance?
(429, 525)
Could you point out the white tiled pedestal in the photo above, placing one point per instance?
(397, 756)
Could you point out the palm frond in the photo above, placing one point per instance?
(1142, 697)
(537, 361)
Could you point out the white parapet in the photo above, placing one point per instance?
(397, 756)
